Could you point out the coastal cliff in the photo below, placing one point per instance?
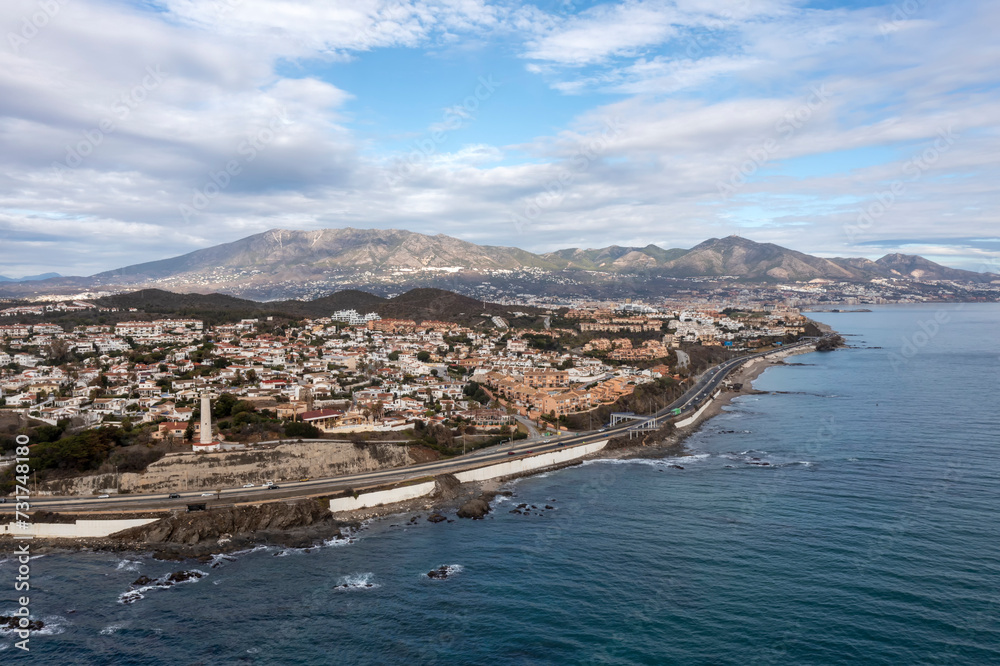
(293, 524)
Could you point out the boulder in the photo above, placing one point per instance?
(13, 622)
(474, 509)
(142, 581)
(446, 486)
(182, 576)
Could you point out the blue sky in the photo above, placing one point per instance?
(836, 128)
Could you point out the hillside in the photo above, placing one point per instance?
(420, 304)
(744, 258)
(417, 304)
(167, 302)
(30, 278)
(280, 264)
(288, 253)
(918, 268)
(614, 258)
(347, 299)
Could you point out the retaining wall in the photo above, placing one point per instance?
(81, 529)
(509, 468)
(529, 464)
(366, 500)
(701, 410)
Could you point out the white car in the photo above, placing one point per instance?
(248, 485)
(208, 494)
(103, 496)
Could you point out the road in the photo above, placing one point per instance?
(527, 423)
(704, 387)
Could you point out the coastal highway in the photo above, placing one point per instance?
(689, 402)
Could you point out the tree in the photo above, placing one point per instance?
(423, 356)
(302, 429)
(58, 352)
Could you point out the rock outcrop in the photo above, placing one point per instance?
(13, 622)
(475, 509)
(194, 528)
(446, 487)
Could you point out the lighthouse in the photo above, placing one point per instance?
(206, 442)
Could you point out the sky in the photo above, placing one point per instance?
(137, 130)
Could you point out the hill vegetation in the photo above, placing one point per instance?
(418, 304)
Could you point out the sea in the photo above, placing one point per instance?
(849, 514)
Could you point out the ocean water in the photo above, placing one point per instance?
(871, 535)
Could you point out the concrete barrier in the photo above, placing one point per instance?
(521, 465)
(508, 468)
(81, 529)
(701, 410)
(366, 500)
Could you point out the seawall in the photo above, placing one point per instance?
(697, 415)
(507, 468)
(367, 500)
(81, 529)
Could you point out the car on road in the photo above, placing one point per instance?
(512, 453)
(273, 487)
(173, 496)
(248, 485)
(529, 451)
(3, 500)
(103, 496)
(208, 494)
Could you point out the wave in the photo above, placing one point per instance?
(221, 558)
(53, 625)
(361, 581)
(164, 582)
(285, 552)
(110, 629)
(248, 551)
(673, 461)
(348, 535)
(128, 565)
(444, 571)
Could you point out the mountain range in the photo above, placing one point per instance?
(30, 278)
(282, 251)
(265, 262)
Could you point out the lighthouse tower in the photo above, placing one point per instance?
(206, 442)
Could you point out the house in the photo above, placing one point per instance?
(324, 419)
(488, 418)
(565, 402)
(138, 329)
(174, 429)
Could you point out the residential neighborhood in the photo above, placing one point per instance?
(357, 372)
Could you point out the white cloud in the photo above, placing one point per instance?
(605, 31)
(689, 119)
